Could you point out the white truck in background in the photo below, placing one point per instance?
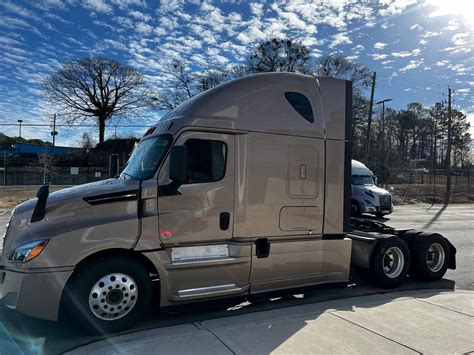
(367, 197)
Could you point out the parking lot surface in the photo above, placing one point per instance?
(456, 222)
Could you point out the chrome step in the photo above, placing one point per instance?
(207, 291)
(201, 260)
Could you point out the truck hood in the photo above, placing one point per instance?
(375, 189)
(80, 193)
(75, 208)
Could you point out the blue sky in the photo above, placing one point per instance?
(417, 48)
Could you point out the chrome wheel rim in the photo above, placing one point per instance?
(393, 262)
(435, 257)
(113, 296)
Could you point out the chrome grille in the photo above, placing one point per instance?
(385, 201)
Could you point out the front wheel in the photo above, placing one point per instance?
(430, 256)
(109, 295)
(390, 263)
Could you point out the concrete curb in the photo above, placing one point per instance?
(398, 322)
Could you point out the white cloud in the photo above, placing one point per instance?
(143, 28)
(402, 54)
(139, 15)
(352, 57)
(377, 56)
(357, 49)
(97, 6)
(429, 34)
(339, 39)
(411, 65)
(416, 27)
(394, 7)
(453, 25)
(380, 45)
(461, 39)
(125, 4)
(256, 9)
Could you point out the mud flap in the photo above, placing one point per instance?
(452, 255)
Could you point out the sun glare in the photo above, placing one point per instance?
(463, 8)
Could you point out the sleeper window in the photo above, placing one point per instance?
(301, 104)
(206, 160)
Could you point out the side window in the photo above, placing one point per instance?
(206, 160)
(301, 104)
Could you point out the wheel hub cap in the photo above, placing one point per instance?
(113, 296)
(393, 262)
(435, 257)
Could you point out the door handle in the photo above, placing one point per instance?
(224, 220)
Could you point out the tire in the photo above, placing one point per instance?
(110, 295)
(430, 256)
(390, 262)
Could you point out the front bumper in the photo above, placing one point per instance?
(37, 294)
(376, 209)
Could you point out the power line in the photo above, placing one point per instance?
(72, 125)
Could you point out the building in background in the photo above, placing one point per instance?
(43, 149)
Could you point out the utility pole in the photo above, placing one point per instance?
(369, 122)
(19, 135)
(19, 141)
(382, 133)
(448, 152)
(434, 157)
(54, 133)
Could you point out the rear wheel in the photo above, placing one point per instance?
(391, 262)
(430, 256)
(109, 295)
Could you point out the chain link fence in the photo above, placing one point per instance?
(422, 184)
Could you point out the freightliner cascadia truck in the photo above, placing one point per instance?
(241, 190)
(367, 197)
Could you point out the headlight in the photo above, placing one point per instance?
(28, 251)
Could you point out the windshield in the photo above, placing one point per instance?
(362, 180)
(146, 158)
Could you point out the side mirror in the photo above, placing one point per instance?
(178, 164)
(375, 180)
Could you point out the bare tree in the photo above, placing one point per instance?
(184, 84)
(337, 66)
(277, 55)
(96, 88)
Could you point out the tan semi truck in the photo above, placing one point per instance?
(241, 190)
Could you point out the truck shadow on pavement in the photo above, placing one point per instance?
(22, 334)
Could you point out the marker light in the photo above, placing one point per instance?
(28, 251)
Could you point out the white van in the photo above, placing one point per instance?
(366, 196)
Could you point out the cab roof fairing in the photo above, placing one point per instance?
(254, 103)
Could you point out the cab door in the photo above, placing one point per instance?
(196, 221)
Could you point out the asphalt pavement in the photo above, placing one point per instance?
(456, 222)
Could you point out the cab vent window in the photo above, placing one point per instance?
(206, 160)
(301, 104)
